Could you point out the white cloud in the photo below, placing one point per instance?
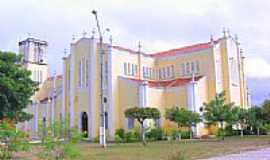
(257, 67)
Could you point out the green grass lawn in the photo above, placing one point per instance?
(164, 150)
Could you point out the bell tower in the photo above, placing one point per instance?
(34, 53)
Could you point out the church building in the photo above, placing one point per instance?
(184, 77)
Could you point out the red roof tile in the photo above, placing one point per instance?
(172, 52)
(167, 83)
(186, 49)
(57, 77)
(124, 49)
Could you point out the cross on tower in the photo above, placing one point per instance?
(93, 33)
(228, 32)
(224, 32)
(139, 46)
(84, 34)
(73, 37)
(110, 39)
(65, 52)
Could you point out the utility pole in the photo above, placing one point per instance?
(103, 99)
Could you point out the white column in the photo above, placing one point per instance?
(143, 94)
(36, 107)
(48, 110)
(110, 109)
(79, 122)
(72, 87)
(92, 89)
(64, 97)
(191, 96)
(192, 102)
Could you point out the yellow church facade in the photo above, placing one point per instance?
(185, 77)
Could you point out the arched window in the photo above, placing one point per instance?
(106, 120)
(130, 123)
(84, 121)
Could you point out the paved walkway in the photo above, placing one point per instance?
(262, 154)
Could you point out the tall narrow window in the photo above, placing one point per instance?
(129, 69)
(79, 73)
(106, 120)
(172, 71)
(197, 66)
(136, 70)
(130, 123)
(41, 76)
(153, 73)
(192, 67)
(157, 123)
(133, 69)
(188, 68)
(160, 73)
(86, 72)
(183, 69)
(83, 72)
(148, 72)
(125, 68)
(144, 72)
(168, 72)
(163, 73)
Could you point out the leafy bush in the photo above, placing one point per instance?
(266, 127)
(132, 136)
(229, 131)
(11, 140)
(117, 139)
(120, 132)
(175, 133)
(129, 136)
(54, 147)
(155, 134)
(185, 134)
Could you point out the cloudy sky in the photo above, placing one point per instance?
(158, 24)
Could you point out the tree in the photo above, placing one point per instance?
(256, 118)
(240, 117)
(183, 117)
(16, 88)
(217, 111)
(141, 114)
(266, 110)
